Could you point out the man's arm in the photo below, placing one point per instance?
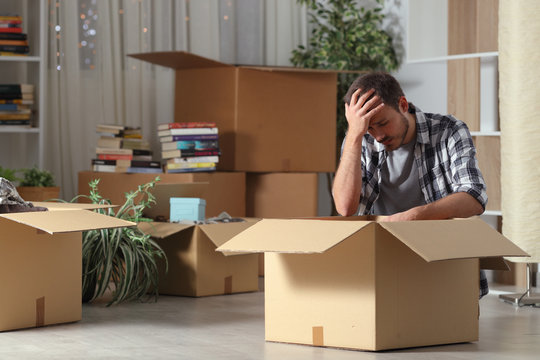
(347, 187)
(457, 205)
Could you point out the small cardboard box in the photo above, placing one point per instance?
(41, 262)
(187, 209)
(363, 284)
(270, 119)
(195, 268)
(226, 191)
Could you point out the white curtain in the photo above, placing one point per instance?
(92, 81)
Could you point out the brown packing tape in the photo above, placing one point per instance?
(40, 311)
(228, 285)
(318, 336)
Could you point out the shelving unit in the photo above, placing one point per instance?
(463, 34)
(23, 147)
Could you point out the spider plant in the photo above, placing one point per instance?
(121, 260)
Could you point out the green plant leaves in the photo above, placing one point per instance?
(122, 260)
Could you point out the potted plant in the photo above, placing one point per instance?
(346, 36)
(9, 174)
(37, 185)
(120, 262)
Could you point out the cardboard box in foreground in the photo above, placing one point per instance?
(195, 267)
(269, 118)
(41, 262)
(363, 284)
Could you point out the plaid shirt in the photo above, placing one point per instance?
(444, 155)
(446, 162)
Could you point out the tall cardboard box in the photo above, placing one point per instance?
(41, 262)
(281, 195)
(226, 191)
(195, 268)
(363, 284)
(270, 119)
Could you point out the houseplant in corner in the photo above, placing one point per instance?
(122, 261)
(37, 185)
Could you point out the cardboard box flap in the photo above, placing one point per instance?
(54, 206)
(300, 70)
(443, 239)
(178, 60)
(54, 222)
(162, 230)
(292, 236)
(220, 233)
(494, 263)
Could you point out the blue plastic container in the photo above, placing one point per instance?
(187, 209)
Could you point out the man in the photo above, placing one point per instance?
(399, 161)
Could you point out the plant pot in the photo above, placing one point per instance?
(38, 193)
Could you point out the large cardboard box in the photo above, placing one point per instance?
(281, 195)
(41, 262)
(226, 191)
(364, 284)
(270, 119)
(194, 266)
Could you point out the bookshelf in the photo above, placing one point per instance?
(463, 35)
(19, 146)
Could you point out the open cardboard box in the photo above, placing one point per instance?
(360, 283)
(41, 262)
(194, 266)
(270, 119)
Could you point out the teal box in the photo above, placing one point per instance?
(187, 209)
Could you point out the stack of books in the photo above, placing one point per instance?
(123, 149)
(12, 40)
(189, 146)
(15, 104)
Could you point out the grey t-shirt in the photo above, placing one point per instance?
(399, 185)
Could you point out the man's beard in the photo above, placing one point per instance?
(406, 126)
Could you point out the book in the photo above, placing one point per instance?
(11, 30)
(188, 137)
(183, 125)
(14, 42)
(144, 170)
(188, 153)
(195, 159)
(15, 122)
(15, 116)
(13, 36)
(109, 128)
(109, 142)
(13, 107)
(192, 170)
(187, 165)
(190, 145)
(114, 157)
(120, 162)
(109, 168)
(16, 101)
(114, 151)
(142, 163)
(188, 131)
(10, 17)
(132, 143)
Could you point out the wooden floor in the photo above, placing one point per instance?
(232, 327)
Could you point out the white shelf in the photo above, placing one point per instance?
(485, 133)
(454, 57)
(18, 129)
(20, 58)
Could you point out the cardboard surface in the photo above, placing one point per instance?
(362, 284)
(195, 268)
(226, 190)
(41, 263)
(269, 119)
(281, 195)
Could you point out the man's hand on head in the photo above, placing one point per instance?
(361, 110)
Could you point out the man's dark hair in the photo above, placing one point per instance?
(385, 85)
